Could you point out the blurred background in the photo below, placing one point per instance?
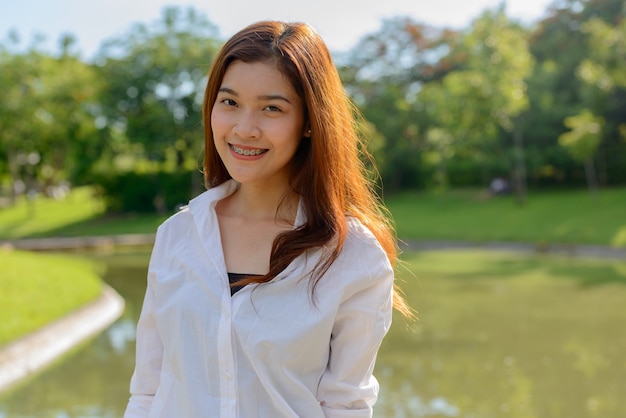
(499, 131)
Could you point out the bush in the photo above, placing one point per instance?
(147, 192)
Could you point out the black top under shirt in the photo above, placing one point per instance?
(233, 277)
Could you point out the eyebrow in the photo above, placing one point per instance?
(262, 97)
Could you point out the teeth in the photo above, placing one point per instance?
(241, 151)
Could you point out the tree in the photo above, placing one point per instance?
(383, 73)
(45, 110)
(605, 64)
(582, 142)
(71, 136)
(603, 73)
(441, 142)
(487, 94)
(17, 75)
(402, 52)
(151, 102)
(155, 77)
(560, 44)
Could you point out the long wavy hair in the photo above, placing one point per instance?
(330, 176)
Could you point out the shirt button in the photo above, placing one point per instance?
(229, 375)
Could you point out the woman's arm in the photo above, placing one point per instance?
(347, 387)
(146, 376)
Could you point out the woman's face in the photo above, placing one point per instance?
(257, 122)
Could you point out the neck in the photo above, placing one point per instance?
(252, 202)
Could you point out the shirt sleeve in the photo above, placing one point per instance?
(146, 377)
(348, 387)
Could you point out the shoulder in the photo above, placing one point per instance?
(196, 218)
(198, 208)
(171, 234)
(361, 240)
(362, 254)
(362, 267)
(175, 221)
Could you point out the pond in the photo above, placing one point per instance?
(498, 336)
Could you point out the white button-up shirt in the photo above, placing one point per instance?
(268, 351)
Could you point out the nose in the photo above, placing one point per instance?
(246, 125)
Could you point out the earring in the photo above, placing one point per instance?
(308, 132)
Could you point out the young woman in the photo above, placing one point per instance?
(270, 294)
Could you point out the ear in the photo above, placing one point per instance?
(307, 132)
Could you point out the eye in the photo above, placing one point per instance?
(272, 108)
(228, 102)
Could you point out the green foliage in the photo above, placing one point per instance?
(151, 102)
(383, 73)
(603, 73)
(140, 103)
(46, 110)
(576, 52)
(146, 192)
(448, 102)
(28, 280)
(584, 135)
(499, 62)
(443, 107)
(472, 107)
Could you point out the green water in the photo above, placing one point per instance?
(499, 335)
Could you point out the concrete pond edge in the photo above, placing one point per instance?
(36, 351)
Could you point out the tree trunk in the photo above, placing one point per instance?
(13, 175)
(592, 179)
(519, 165)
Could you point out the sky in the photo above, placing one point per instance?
(340, 22)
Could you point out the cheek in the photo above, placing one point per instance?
(215, 121)
(220, 122)
(291, 144)
(219, 131)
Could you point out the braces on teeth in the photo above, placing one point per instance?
(247, 151)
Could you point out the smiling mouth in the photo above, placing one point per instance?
(247, 152)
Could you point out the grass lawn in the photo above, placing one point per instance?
(558, 217)
(563, 217)
(43, 215)
(80, 214)
(39, 288)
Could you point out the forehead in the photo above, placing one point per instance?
(256, 76)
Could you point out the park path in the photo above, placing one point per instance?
(77, 243)
(570, 250)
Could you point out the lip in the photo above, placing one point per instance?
(240, 151)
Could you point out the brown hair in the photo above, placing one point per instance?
(331, 178)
